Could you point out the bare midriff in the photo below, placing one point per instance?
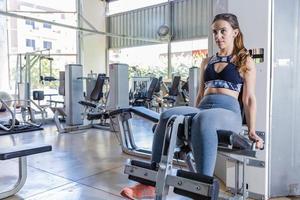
(225, 91)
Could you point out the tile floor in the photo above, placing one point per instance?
(84, 165)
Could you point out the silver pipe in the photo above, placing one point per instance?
(78, 28)
(170, 39)
(79, 33)
(42, 12)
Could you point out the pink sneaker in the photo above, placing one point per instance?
(138, 191)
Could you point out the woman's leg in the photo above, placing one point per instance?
(204, 135)
(159, 132)
(140, 191)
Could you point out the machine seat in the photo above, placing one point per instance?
(95, 116)
(23, 150)
(140, 111)
(170, 99)
(88, 104)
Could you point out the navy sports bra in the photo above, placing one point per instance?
(228, 78)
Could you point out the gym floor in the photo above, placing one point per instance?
(83, 165)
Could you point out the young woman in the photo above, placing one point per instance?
(223, 77)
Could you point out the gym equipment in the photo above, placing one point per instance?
(74, 97)
(15, 126)
(139, 85)
(173, 92)
(23, 76)
(73, 94)
(95, 110)
(96, 94)
(193, 84)
(120, 120)
(160, 175)
(4, 96)
(89, 82)
(229, 144)
(147, 98)
(118, 86)
(61, 91)
(185, 91)
(21, 152)
(50, 77)
(23, 79)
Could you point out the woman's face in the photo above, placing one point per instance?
(224, 34)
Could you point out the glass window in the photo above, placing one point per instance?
(61, 41)
(187, 54)
(30, 43)
(46, 25)
(142, 61)
(47, 45)
(152, 60)
(31, 23)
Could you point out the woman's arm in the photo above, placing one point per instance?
(201, 82)
(249, 101)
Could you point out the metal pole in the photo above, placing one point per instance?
(7, 43)
(107, 42)
(79, 28)
(79, 33)
(170, 39)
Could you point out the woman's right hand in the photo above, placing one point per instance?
(259, 143)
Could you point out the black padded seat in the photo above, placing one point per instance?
(94, 116)
(88, 104)
(170, 99)
(146, 113)
(149, 95)
(97, 92)
(23, 150)
(140, 111)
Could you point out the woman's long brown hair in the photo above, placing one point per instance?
(239, 49)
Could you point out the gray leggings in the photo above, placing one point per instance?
(216, 111)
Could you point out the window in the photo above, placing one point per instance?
(47, 45)
(30, 43)
(184, 55)
(46, 25)
(30, 23)
(29, 35)
(140, 65)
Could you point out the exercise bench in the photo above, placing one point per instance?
(21, 152)
(120, 122)
(229, 143)
(188, 183)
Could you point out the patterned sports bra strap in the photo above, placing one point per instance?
(217, 59)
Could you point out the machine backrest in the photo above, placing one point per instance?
(174, 87)
(97, 92)
(151, 88)
(157, 87)
(185, 86)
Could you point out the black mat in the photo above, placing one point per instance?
(20, 130)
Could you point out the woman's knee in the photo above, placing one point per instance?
(181, 110)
